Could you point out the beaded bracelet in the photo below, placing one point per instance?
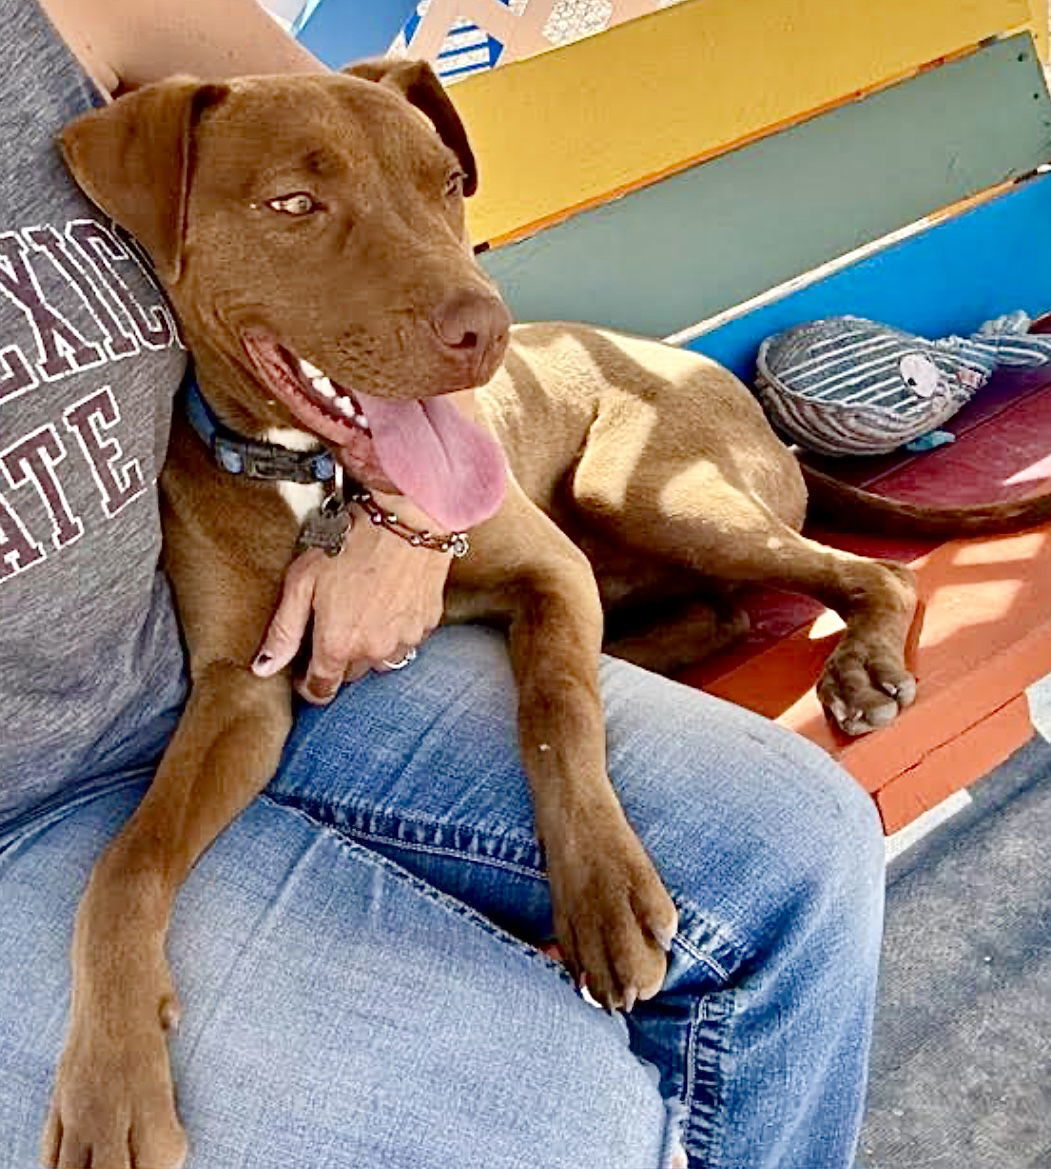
(455, 542)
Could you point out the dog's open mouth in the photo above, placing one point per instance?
(423, 448)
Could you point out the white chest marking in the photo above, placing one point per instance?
(300, 498)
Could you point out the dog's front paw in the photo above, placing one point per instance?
(613, 917)
(113, 1105)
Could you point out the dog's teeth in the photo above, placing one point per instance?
(311, 371)
(323, 386)
(345, 406)
(362, 421)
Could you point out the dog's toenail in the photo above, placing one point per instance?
(169, 1013)
(665, 935)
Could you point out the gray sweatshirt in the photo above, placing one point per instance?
(90, 359)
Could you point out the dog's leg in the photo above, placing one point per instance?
(691, 516)
(113, 1103)
(612, 916)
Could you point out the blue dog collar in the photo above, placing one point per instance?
(238, 455)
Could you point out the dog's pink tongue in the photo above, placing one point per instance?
(441, 460)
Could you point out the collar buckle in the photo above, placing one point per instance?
(238, 455)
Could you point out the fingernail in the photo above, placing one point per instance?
(320, 694)
(263, 665)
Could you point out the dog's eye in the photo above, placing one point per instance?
(454, 183)
(299, 203)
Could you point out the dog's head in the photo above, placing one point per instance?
(310, 231)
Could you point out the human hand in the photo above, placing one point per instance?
(371, 605)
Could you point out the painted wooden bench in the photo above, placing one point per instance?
(715, 171)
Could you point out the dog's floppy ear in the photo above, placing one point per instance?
(417, 82)
(134, 159)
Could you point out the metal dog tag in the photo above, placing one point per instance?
(326, 526)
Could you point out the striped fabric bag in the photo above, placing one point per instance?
(848, 386)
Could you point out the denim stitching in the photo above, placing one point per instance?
(698, 953)
(436, 896)
(387, 827)
(438, 850)
(707, 1046)
(719, 936)
(720, 950)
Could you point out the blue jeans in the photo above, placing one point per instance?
(353, 953)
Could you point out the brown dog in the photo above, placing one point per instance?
(319, 219)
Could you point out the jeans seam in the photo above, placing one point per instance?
(725, 944)
(709, 1014)
(438, 850)
(699, 955)
(358, 822)
(436, 896)
(707, 1116)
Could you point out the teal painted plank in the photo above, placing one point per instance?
(950, 278)
(720, 233)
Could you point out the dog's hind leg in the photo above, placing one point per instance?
(113, 1102)
(665, 641)
(690, 515)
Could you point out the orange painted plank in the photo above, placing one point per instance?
(954, 765)
(986, 637)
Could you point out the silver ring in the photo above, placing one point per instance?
(410, 656)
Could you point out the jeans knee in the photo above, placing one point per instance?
(791, 847)
(835, 897)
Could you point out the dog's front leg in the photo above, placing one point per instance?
(612, 916)
(113, 1104)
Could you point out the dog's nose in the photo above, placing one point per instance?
(472, 322)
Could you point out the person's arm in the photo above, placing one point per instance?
(128, 43)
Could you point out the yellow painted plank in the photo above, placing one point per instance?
(567, 128)
(1040, 16)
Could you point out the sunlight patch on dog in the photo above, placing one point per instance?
(678, 495)
(632, 443)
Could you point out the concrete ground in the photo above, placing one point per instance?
(961, 1070)
(961, 1066)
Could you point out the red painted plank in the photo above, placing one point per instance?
(987, 636)
(1001, 452)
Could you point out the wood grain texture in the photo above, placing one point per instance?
(564, 129)
(949, 278)
(987, 636)
(712, 237)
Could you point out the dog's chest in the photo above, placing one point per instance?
(299, 498)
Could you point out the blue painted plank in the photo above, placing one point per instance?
(949, 279)
(339, 31)
(720, 233)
